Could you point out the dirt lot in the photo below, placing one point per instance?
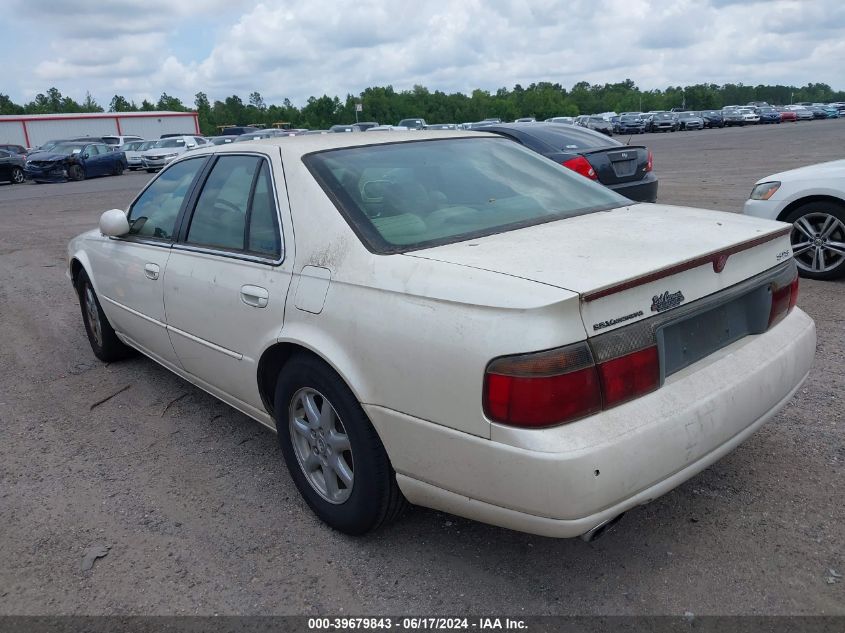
(200, 517)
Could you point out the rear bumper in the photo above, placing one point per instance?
(644, 190)
(566, 480)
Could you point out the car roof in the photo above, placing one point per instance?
(309, 143)
(554, 134)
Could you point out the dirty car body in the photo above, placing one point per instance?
(514, 343)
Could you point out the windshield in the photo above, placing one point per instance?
(68, 148)
(630, 119)
(170, 142)
(404, 196)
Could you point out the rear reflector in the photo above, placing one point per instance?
(629, 376)
(582, 166)
(649, 166)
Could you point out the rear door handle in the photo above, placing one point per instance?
(255, 296)
(151, 271)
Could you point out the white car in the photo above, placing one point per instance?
(116, 141)
(749, 115)
(451, 319)
(133, 150)
(812, 199)
(167, 149)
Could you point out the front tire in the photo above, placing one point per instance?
(76, 173)
(104, 342)
(818, 239)
(332, 451)
(17, 176)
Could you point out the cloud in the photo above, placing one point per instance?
(294, 49)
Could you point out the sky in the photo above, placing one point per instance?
(296, 49)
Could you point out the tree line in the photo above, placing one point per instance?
(387, 105)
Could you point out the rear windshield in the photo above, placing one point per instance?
(565, 139)
(404, 196)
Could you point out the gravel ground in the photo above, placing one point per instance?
(196, 512)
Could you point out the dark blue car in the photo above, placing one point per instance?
(768, 114)
(74, 160)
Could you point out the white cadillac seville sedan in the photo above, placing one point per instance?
(450, 319)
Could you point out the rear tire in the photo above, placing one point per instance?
(818, 239)
(118, 169)
(104, 342)
(332, 451)
(17, 176)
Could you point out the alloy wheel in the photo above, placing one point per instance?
(818, 242)
(17, 176)
(321, 445)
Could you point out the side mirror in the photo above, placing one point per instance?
(114, 223)
(85, 155)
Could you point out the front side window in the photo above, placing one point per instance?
(402, 196)
(155, 211)
(236, 209)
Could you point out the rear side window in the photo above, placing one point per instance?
(236, 209)
(154, 213)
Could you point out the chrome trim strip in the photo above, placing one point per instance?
(209, 344)
(182, 246)
(136, 313)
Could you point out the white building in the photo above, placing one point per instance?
(31, 130)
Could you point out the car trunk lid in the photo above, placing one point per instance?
(618, 164)
(630, 263)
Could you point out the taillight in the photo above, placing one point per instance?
(629, 376)
(783, 300)
(542, 389)
(582, 166)
(569, 383)
(649, 166)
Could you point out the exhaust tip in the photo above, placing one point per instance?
(601, 529)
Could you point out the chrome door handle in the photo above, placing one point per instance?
(255, 296)
(151, 271)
